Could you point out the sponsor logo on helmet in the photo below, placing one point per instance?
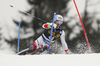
(59, 17)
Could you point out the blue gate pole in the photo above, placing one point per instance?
(18, 37)
(51, 33)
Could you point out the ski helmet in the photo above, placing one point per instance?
(58, 19)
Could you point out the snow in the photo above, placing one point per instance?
(10, 31)
(8, 28)
(51, 60)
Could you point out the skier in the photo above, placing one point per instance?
(44, 39)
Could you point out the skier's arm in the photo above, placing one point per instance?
(48, 25)
(64, 44)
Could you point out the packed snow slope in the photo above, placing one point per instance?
(51, 60)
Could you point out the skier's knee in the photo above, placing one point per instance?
(33, 46)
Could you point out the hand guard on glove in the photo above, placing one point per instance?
(50, 25)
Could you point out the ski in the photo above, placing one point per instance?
(29, 52)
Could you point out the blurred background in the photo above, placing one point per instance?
(31, 28)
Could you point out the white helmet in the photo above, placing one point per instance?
(59, 18)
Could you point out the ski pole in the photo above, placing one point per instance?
(51, 33)
(33, 16)
(29, 14)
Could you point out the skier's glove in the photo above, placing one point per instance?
(67, 52)
(50, 25)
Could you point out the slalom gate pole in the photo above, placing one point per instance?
(51, 32)
(18, 37)
(82, 26)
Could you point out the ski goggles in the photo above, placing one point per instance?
(59, 22)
